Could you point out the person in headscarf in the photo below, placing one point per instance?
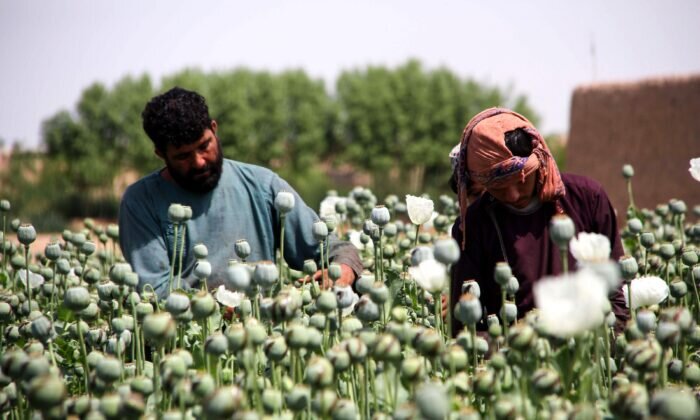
(504, 162)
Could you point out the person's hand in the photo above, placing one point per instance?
(347, 277)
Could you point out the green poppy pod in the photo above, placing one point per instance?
(509, 312)
(387, 348)
(689, 256)
(446, 251)
(26, 234)
(297, 336)
(200, 251)
(176, 213)
(42, 329)
(143, 309)
(502, 273)
(522, 337)
(256, 332)
(284, 202)
(271, 400)
(674, 404)
(357, 349)
(158, 327)
(237, 277)
(46, 392)
(677, 207)
(335, 271)
(561, 230)
(298, 398)
(76, 298)
(275, 348)
(112, 231)
(88, 248)
(216, 344)
(326, 302)
(380, 216)
(344, 410)
(432, 401)
(223, 402)
(52, 251)
(379, 293)
(203, 305)
(36, 366)
(455, 357)
(319, 373)
(242, 249)
(628, 267)
(339, 358)
(202, 269)
(366, 310)
(237, 337)
(468, 310)
(177, 303)
(413, 369)
(324, 402)
(667, 251)
(203, 385)
(646, 320)
(118, 271)
(266, 274)
(5, 206)
(635, 225)
(109, 369)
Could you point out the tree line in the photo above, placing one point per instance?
(395, 124)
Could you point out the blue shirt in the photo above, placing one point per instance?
(241, 206)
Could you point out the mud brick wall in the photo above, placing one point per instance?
(652, 124)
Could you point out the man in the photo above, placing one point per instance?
(230, 200)
(504, 155)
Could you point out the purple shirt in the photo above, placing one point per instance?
(530, 252)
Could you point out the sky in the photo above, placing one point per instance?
(50, 50)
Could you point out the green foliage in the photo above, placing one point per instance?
(397, 124)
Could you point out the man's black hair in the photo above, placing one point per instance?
(176, 117)
(519, 142)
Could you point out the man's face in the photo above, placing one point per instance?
(196, 167)
(515, 193)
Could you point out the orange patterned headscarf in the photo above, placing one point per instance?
(485, 160)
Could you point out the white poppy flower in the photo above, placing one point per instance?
(590, 248)
(646, 291)
(429, 223)
(355, 240)
(572, 303)
(229, 298)
(694, 169)
(420, 209)
(327, 207)
(431, 275)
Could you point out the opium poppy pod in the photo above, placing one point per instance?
(561, 230)
(76, 298)
(380, 216)
(266, 274)
(284, 202)
(237, 277)
(26, 234)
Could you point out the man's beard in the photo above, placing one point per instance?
(189, 181)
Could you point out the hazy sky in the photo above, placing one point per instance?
(51, 50)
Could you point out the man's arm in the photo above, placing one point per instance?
(143, 245)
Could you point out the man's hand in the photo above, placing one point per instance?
(445, 309)
(347, 277)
